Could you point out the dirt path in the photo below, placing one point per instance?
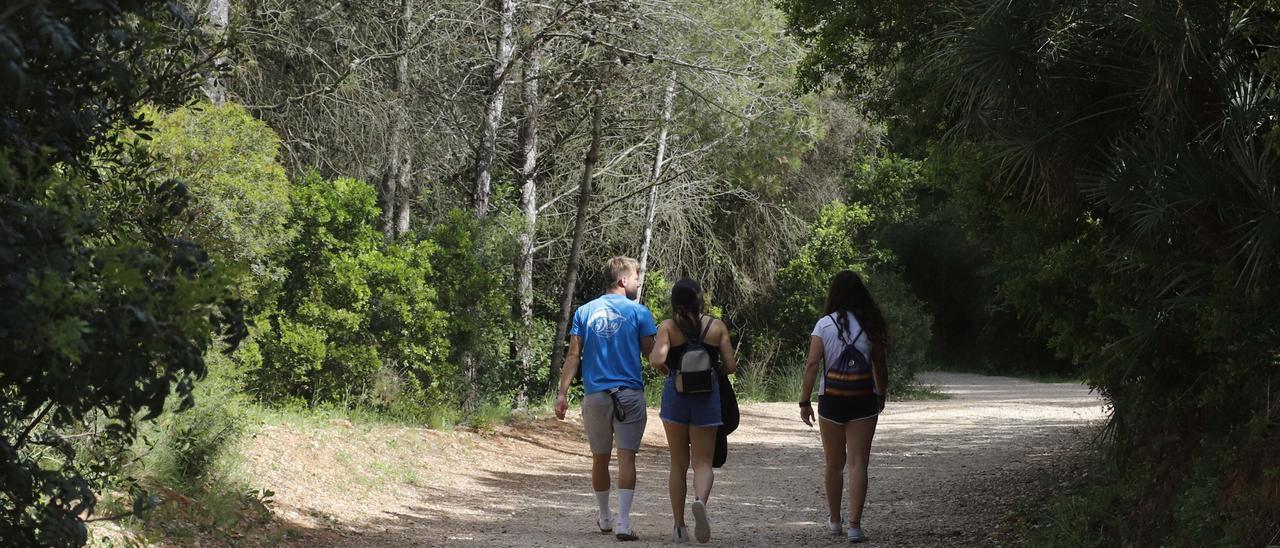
(942, 473)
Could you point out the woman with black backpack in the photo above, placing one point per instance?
(688, 348)
(850, 342)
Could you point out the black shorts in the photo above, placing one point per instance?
(842, 410)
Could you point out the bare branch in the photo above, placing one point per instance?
(587, 38)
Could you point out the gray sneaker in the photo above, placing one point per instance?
(605, 524)
(835, 528)
(701, 525)
(856, 535)
(680, 535)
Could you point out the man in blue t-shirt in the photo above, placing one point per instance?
(607, 337)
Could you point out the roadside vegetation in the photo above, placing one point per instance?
(216, 215)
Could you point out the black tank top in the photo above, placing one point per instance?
(677, 352)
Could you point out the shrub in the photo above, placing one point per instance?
(100, 320)
(104, 311)
(240, 195)
(474, 280)
(752, 379)
(837, 243)
(356, 320)
(909, 326)
(190, 450)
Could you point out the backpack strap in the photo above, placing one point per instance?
(706, 329)
(855, 337)
(858, 336)
(688, 338)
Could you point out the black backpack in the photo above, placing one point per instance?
(694, 373)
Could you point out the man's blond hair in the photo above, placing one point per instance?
(618, 267)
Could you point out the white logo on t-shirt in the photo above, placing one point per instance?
(605, 322)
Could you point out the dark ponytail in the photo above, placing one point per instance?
(849, 294)
(686, 306)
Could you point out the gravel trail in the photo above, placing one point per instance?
(943, 473)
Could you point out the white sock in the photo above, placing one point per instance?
(624, 508)
(602, 498)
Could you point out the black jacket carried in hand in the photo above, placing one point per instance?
(730, 416)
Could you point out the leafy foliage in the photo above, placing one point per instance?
(100, 320)
(1121, 176)
(831, 247)
(356, 320)
(71, 72)
(876, 51)
(922, 210)
(472, 281)
(105, 310)
(839, 242)
(240, 196)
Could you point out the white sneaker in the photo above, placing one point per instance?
(835, 528)
(680, 535)
(605, 524)
(856, 535)
(626, 534)
(701, 525)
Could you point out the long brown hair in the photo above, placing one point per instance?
(849, 294)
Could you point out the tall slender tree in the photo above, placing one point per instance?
(531, 104)
(579, 233)
(396, 186)
(664, 121)
(495, 98)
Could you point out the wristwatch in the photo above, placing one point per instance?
(806, 403)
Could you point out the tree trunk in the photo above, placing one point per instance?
(528, 204)
(668, 104)
(395, 189)
(579, 230)
(388, 186)
(493, 108)
(404, 191)
(219, 14)
(484, 162)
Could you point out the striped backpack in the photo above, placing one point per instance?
(850, 375)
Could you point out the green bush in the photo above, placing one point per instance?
(838, 242)
(192, 461)
(769, 370)
(474, 280)
(240, 195)
(104, 309)
(786, 383)
(192, 450)
(356, 321)
(657, 294)
(754, 365)
(104, 314)
(909, 326)
(890, 187)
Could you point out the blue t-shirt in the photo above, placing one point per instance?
(611, 328)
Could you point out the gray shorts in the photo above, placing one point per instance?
(603, 427)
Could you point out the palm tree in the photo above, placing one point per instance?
(1148, 128)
